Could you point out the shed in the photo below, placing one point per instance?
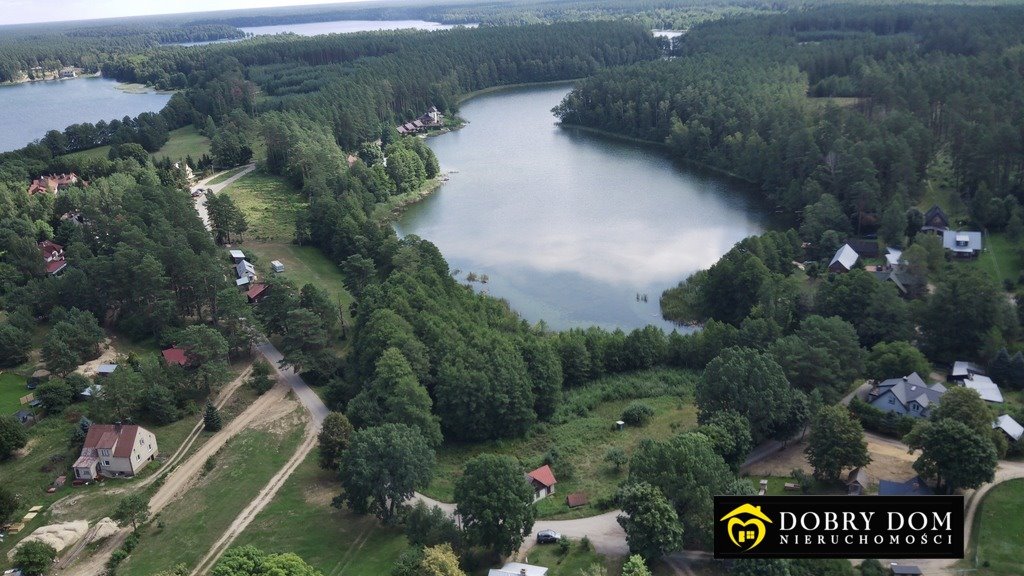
(256, 293)
(844, 260)
(1009, 426)
(276, 266)
(961, 370)
(91, 391)
(857, 481)
(543, 482)
(576, 499)
(175, 355)
(237, 256)
(106, 369)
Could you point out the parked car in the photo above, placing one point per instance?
(548, 537)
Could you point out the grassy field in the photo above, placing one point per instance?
(571, 563)
(998, 532)
(226, 175)
(336, 542)
(270, 204)
(1002, 258)
(583, 442)
(12, 388)
(304, 265)
(186, 529)
(185, 141)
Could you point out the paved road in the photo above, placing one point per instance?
(200, 200)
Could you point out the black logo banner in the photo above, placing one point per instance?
(839, 527)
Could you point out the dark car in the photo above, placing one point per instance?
(548, 537)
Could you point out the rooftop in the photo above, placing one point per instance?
(1010, 426)
(543, 475)
(986, 388)
(845, 256)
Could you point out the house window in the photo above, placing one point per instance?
(892, 400)
(138, 457)
(106, 462)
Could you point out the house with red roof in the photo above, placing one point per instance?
(52, 183)
(114, 450)
(53, 256)
(257, 293)
(543, 482)
(175, 355)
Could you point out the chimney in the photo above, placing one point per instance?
(117, 427)
(522, 572)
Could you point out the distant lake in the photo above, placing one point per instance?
(570, 226)
(31, 109)
(334, 27)
(668, 33)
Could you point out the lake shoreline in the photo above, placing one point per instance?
(493, 89)
(389, 212)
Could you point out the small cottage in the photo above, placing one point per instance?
(543, 482)
(935, 221)
(844, 260)
(114, 450)
(963, 244)
(1007, 425)
(857, 481)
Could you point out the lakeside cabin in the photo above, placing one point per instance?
(430, 119)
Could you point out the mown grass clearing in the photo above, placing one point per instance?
(998, 531)
(573, 562)
(582, 442)
(304, 265)
(184, 142)
(187, 528)
(12, 389)
(1002, 258)
(337, 542)
(270, 204)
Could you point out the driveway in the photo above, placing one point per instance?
(200, 200)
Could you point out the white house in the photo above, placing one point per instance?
(517, 569)
(115, 450)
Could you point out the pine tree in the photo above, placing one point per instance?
(1000, 368)
(211, 419)
(1017, 371)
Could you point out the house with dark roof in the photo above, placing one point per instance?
(908, 396)
(53, 256)
(1007, 425)
(543, 482)
(963, 244)
(256, 293)
(113, 450)
(904, 570)
(865, 247)
(935, 221)
(844, 260)
(916, 486)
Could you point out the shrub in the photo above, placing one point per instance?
(637, 414)
(563, 546)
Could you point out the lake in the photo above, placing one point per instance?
(572, 227)
(31, 109)
(334, 27)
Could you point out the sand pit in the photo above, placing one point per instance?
(104, 529)
(60, 536)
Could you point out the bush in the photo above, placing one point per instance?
(34, 558)
(805, 480)
(637, 414)
(888, 423)
(616, 457)
(563, 546)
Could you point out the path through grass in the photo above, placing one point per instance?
(270, 204)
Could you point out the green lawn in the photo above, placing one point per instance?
(185, 141)
(337, 542)
(224, 176)
(777, 486)
(1002, 258)
(303, 265)
(583, 442)
(186, 529)
(12, 388)
(998, 532)
(572, 562)
(271, 205)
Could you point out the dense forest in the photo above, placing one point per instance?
(835, 113)
(752, 97)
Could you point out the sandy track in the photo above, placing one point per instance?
(181, 478)
(262, 499)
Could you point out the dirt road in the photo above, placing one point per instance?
(179, 480)
(201, 199)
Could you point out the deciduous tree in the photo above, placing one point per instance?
(495, 503)
(836, 442)
(333, 440)
(382, 468)
(651, 524)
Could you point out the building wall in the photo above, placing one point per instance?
(889, 403)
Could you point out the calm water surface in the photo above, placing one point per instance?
(569, 226)
(29, 110)
(335, 27)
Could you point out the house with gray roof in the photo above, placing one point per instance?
(844, 260)
(963, 244)
(961, 370)
(1013, 430)
(985, 387)
(907, 396)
